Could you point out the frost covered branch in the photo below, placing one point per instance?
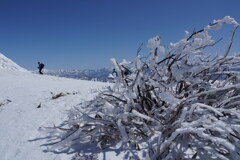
(177, 103)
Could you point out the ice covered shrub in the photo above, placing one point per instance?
(177, 102)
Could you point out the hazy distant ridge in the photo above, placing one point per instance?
(85, 74)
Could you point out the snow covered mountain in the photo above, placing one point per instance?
(29, 101)
(85, 74)
(6, 63)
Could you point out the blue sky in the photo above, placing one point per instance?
(80, 34)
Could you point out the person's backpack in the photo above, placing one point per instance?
(42, 65)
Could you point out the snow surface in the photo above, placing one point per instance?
(26, 104)
(6, 63)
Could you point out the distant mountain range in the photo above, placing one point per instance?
(85, 74)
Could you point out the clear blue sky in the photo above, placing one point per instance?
(77, 34)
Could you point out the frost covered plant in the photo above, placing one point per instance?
(177, 102)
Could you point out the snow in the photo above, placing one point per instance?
(6, 63)
(154, 43)
(26, 104)
(217, 24)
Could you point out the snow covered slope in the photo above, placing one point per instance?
(29, 101)
(6, 63)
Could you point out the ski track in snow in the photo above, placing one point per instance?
(20, 119)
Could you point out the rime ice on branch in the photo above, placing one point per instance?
(177, 102)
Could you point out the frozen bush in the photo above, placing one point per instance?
(177, 102)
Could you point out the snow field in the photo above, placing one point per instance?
(28, 105)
